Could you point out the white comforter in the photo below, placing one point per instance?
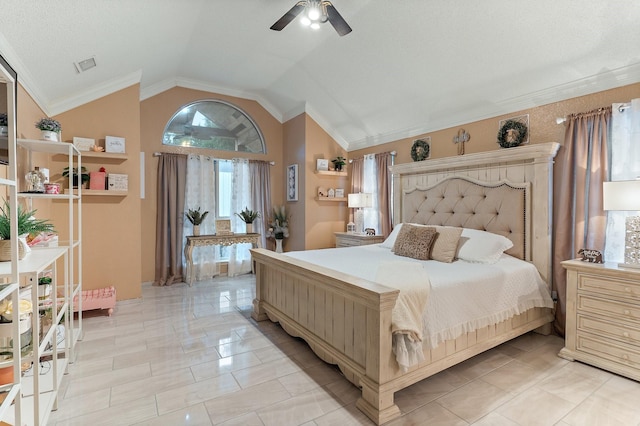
(463, 297)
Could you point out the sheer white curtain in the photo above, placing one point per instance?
(200, 192)
(239, 255)
(625, 165)
(370, 186)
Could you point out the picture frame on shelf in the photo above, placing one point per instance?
(292, 182)
(223, 227)
(114, 144)
(83, 144)
(322, 165)
(339, 193)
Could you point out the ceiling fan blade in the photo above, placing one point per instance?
(337, 21)
(289, 16)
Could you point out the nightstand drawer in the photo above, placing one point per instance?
(609, 330)
(610, 286)
(619, 310)
(609, 350)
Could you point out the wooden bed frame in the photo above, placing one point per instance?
(347, 320)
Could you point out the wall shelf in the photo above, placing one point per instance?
(332, 199)
(100, 192)
(331, 173)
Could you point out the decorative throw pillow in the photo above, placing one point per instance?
(482, 246)
(445, 245)
(415, 241)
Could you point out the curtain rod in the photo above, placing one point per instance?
(621, 108)
(158, 154)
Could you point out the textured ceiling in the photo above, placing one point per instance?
(408, 67)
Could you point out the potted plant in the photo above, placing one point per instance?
(248, 217)
(49, 128)
(338, 162)
(27, 225)
(278, 226)
(44, 287)
(83, 173)
(196, 217)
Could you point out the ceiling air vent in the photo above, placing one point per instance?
(85, 65)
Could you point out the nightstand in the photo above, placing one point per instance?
(603, 317)
(344, 239)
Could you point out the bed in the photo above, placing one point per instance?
(347, 320)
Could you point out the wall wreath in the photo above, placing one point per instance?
(420, 150)
(512, 133)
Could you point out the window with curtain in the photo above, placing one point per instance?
(371, 175)
(625, 165)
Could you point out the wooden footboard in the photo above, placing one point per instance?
(347, 321)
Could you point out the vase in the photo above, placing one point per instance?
(48, 135)
(249, 228)
(196, 230)
(279, 246)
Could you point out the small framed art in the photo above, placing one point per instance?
(292, 182)
(223, 227)
(114, 144)
(339, 192)
(83, 144)
(322, 165)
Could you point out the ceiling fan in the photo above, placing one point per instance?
(316, 12)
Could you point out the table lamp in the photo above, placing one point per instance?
(360, 201)
(624, 195)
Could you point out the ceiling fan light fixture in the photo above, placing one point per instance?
(305, 21)
(315, 25)
(314, 12)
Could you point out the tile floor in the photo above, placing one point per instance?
(192, 356)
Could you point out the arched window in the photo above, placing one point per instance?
(214, 124)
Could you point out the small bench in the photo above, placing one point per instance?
(100, 298)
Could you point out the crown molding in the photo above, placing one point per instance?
(607, 80)
(95, 92)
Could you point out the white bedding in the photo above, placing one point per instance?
(464, 296)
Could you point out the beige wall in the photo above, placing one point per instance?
(155, 113)
(110, 225)
(323, 218)
(294, 153)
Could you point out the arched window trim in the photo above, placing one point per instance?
(229, 104)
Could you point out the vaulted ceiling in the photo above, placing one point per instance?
(408, 67)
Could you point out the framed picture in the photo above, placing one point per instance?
(322, 164)
(114, 144)
(339, 192)
(223, 227)
(83, 144)
(292, 182)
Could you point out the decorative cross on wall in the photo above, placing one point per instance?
(460, 139)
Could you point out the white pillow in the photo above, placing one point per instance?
(482, 246)
(390, 241)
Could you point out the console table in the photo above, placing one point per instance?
(216, 240)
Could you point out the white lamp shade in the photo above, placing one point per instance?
(360, 200)
(621, 195)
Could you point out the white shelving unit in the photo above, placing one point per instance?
(41, 383)
(74, 242)
(11, 407)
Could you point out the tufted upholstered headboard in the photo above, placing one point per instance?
(478, 175)
(501, 208)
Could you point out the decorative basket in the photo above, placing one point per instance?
(5, 251)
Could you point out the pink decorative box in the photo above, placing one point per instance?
(51, 188)
(98, 180)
